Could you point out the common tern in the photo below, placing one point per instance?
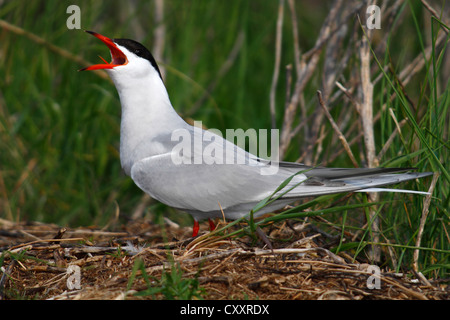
(149, 154)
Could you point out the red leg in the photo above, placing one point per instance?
(195, 229)
(212, 226)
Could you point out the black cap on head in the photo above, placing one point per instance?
(139, 50)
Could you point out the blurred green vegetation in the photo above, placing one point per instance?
(59, 128)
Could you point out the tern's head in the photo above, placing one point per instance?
(129, 58)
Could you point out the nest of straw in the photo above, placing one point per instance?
(36, 260)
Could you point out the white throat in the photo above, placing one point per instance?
(146, 111)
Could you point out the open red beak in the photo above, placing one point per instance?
(118, 57)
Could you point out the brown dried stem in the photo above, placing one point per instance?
(276, 71)
(336, 129)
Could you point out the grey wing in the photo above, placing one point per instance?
(202, 187)
(198, 187)
(203, 170)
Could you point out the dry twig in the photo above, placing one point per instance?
(337, 130)
(276, 71)
(426, 206)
